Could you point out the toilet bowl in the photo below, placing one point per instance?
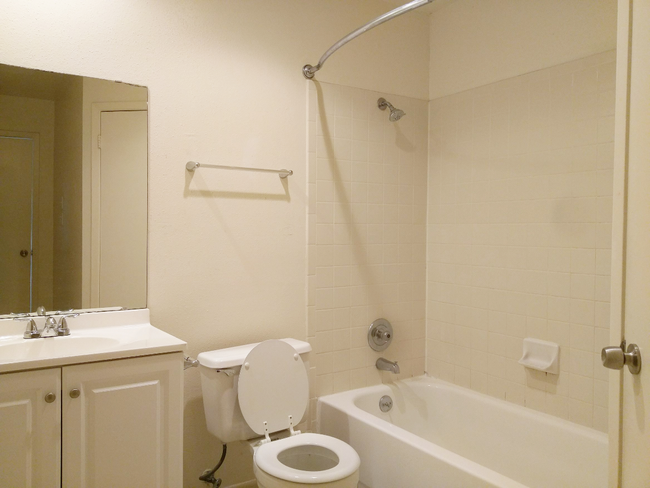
(261, 389)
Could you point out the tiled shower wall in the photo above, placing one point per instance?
(367, 234)
(519, 235)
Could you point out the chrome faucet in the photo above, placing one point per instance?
(386, 365)
(63, 329)
(31, 332)
(50, 328)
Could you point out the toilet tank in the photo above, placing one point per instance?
(219, 378)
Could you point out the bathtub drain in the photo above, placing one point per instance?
(385, 403)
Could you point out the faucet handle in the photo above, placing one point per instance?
(31, 331)
(63, 329)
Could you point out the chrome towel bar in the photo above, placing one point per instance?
(193, 165)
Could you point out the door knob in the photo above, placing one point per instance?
(616, 357)
(50, 397)
(74, 393)
(24, 253)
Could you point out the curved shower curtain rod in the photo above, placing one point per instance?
(309, 71)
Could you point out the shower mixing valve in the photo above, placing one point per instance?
(380, 334)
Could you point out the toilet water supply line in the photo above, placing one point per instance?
(208, 474)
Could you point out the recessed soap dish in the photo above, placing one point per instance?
(541, 355)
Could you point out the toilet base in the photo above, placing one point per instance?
(265, 480)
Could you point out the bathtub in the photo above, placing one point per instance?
(441, 435)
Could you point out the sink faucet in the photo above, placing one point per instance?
(50, 329)
(386, 365)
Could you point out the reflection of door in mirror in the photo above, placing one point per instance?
(18, 153)
(122, 221)
(52, 175)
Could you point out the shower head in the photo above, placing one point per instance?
(395, 113)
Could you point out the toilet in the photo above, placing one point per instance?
(260, 392)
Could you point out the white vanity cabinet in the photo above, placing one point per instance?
(111, 424)
(30, 428)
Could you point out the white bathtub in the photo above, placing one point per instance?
(442, 435)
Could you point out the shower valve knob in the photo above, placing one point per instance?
(380, 334)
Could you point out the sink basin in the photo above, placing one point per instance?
(95, 336)
(54, 347)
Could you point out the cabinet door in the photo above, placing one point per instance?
(124, 429)
(30, 429)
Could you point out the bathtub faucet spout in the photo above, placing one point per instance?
(386, 365)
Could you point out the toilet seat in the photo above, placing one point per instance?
(266, 459)
(273, 396)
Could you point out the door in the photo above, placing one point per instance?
(122, 234)
(30, 429)
(16, 214)
(630, 418)
(121, 427)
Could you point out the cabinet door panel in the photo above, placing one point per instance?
(30, 429)
(123, 429)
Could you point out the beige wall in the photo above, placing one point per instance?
(23, 114)
(225, 87)
(367, 235)
(476, 42)
(519, 235)
(67, 195)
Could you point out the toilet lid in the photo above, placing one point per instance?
(273, 385)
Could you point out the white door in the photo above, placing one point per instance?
(30, 429)
(121, 426)
(123, 209)
(630, 467)
(16, 204)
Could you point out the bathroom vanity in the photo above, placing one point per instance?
(101, 407)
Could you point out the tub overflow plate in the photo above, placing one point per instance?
(385, 403)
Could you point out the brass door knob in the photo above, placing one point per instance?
(50, 397)
(24, 253)
(74, 393)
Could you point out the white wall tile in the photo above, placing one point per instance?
(369, 236)
(519, 227)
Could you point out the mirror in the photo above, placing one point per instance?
(73, 192)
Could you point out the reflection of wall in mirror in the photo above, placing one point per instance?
(67, 195)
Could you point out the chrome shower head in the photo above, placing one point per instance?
(395, 113)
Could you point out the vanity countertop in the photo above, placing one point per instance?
(96, 336)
